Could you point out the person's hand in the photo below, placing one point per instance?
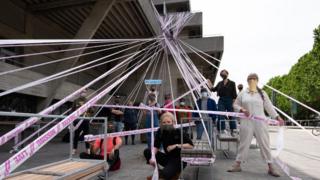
(281, 121)
(246, 112)
(171, 147)
(111, 155)
(209, 83)
(91, 143)
(152, 162)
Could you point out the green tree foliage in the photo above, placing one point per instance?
(302, 82)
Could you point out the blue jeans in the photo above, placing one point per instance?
(200, 129)
(225, 104)
(118, 126)
(148, 125)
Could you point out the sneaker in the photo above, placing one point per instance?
(223, 134)
(235, 168)
(74, 151)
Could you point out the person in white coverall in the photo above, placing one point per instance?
(254, 101)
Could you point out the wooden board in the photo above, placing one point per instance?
(228, 138)
(200, 149)
(32, 176)
(67, 169)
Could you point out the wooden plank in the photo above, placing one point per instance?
(85, 173)
(228, 138)
(200, 149)
(32, 176)
(67, 167)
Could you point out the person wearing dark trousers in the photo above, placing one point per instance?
(117, 116)
(226, 90)
(207, 104)
(130, 121)
(170, 139)
(82, 128)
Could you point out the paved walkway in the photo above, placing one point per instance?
(302, 153)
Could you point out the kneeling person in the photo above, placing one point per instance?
(170, 139)
(97, 152)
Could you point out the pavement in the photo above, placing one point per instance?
(301, 153)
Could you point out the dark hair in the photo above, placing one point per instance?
(224, 70)
(261, 93)
(203, 90)
(167, 96)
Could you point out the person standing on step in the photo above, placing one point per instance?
(207, 104)
(226, 90)
(254, 101)
(152, 103)
(83, 127)
(117, 116)
(130, 121)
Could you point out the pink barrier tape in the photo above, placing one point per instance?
(30, 121)
(13, 42)
(16, 160)
(198, 160)
(285, 168)
(233, 114)
(132, 132)
(279, 147)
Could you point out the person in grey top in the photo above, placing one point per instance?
(254, 101)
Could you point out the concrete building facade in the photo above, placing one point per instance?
(86, 19)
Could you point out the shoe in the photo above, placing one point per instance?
(74, 151)
(133, 143)
(273, 173)
(235, 168)
(149, 178)
(222, 134)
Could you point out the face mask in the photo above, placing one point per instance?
(182, 103)
(223, 76)
(204, 94)
(252, 83)
(167, 128)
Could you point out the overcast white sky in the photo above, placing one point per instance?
(262, 36)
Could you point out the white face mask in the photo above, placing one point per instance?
(253, 84)
(204, 94)
(182, 103)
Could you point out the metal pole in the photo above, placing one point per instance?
(16, 147)
(105, 144)
(152, 137)
(181, 140)
(71, 139)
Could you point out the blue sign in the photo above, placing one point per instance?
(153, 81)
